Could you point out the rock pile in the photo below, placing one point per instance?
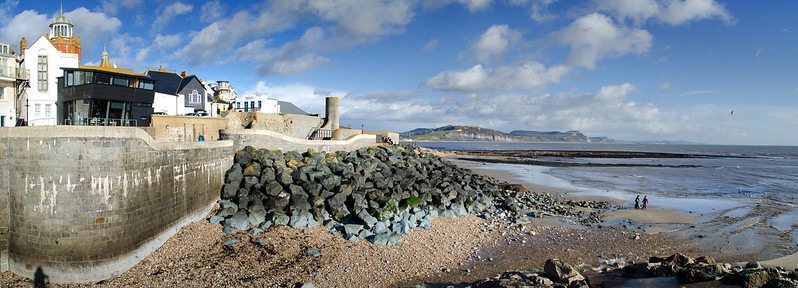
(375, 193)
(685, 269)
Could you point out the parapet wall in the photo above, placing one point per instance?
(276, 141)
(86, 203)
(294, 125)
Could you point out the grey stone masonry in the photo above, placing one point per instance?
(86, 203)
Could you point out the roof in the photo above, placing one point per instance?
(187, 80)
(289, 108)
(119, 71)
(168, 82)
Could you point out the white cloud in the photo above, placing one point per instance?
(29, 24)
(431, 45)
(211, 11)
(673, 12)
(167, 41)
(493, 42)
(476, 5)
(111, 7)
(171, 11)
(525, 75)
(291, 58)
(364, 20)
(94, 29)
(539, 9)
(594, 37)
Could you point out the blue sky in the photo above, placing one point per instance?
(628, 69)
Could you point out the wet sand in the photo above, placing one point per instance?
(727, 229)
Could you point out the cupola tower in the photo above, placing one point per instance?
(62, 35)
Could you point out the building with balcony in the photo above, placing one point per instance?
(105, 95)
(8, 78)
(43, 61)
(256, 103)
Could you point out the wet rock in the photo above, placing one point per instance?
(561, 272)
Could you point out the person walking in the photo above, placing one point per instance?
(637, 202)
(645, 201)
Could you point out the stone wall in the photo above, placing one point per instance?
(185, 128)
(276, 141)
(87, 203)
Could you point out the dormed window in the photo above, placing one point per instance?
(41, 71)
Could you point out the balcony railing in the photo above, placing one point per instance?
(8, 72)
(101, 122)
(23, 74)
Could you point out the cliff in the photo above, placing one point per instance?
(474, 133)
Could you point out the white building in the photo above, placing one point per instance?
(256, 103)
(8, 78)
(44, 61)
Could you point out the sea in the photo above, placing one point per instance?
(758, 173)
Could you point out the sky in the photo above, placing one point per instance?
(706, 71)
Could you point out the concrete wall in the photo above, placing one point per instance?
(294, 125)
(272, 140)
(185, 128)
(87, 203)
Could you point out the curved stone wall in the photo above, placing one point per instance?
(86, 203)
(276, 141)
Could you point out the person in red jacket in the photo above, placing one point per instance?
(645, 201)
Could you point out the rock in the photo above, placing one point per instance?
(561, 272)
(230, 242)
(255, 231)
(257, 215)
(301, 219)
(234, 175)
(272, 189)
(637, 270)
(386, 239)
(313, 252)
(278, 203)
(380, 228)
(352, 229)
(307, 285)
(239, 221)
(753, 265)
(694, 275)
(279, 218)
(337, 206)
(228, 208)
(230, 189)
(366, 218)
(216, 219)
(753, 277)
(253, 169)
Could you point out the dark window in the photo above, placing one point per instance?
(102, 79)
(120, 81)
(259, 104)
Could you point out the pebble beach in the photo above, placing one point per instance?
(454, 251)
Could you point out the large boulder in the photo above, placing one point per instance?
(561, 272)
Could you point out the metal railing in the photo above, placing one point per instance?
(321, 134)
(102, 122)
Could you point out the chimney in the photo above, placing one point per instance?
(183, 74)
(23, 44)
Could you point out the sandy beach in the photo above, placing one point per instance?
(459, 250)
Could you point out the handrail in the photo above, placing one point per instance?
(102, 122)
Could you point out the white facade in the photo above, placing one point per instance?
(44, 62)
(258, 103)
(171, 104)
(8, 74)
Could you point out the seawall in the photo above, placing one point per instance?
(86, 203)
(273, 140)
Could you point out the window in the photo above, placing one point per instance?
(146, 85)
(70, 79)
(103, 79)
(1, 93)
(4, 69)
(238, 105)
(47, 110)
(37, 110)
(41, 68)
(194, 97)
(246, 106)
(120, 81)
(259, 104)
